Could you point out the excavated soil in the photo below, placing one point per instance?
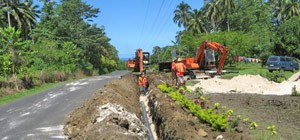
(112, 113)
(245, 84)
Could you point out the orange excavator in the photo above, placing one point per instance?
(140, 61)
(205, 58)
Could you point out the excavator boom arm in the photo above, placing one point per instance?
(216, 47)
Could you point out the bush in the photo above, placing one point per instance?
(295, 92)
(61, 76)
(199, 91)
(275, 76)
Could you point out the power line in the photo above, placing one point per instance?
(144, 23)
(165, 23)
(164, 18)
(154, 23)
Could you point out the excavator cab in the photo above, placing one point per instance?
(140, 61)
(146, 59)
(210, 60)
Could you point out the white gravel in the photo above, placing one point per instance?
(251, 84)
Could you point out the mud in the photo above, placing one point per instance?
(112, 113)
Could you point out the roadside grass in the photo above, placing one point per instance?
(24, 93)
(251, 69)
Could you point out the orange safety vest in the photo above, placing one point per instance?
(142, 81)
(180, 69)
(173, 66)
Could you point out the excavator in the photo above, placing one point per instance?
(140, 61)
(205, 58)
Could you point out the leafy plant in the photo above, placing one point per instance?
(295, 92)
(245, 119)
(235, 122)
(164, 88)
(216, 105)
(275, 76)
(199, 91)
(217, 121)
(253, 125)
(230, 112)
(272, 129)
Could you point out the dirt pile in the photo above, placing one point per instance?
(112, 113)
(253, 84)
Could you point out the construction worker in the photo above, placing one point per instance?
(174, 79)
(180, 69)
(143, 83)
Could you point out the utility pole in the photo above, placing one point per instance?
(8, 14)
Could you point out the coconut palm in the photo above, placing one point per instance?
(196, 23)
(20, 14)
(227, 7)
(182, 14)
(291, 9)
(213, 11)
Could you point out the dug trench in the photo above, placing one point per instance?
(114, 112)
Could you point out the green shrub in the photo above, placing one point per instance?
(217, 121)
(199, 91)
(164, 88)
(275, 76)
(295, 92)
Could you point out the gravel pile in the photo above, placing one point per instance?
(252, 84)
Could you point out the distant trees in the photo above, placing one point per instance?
(253, 28)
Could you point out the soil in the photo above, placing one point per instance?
(265, 110)
(174, 122)
(114, 113)
(245, 84)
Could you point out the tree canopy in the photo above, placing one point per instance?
(251, 28)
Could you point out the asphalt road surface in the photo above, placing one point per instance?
(41, 116)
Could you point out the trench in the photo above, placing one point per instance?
(148, 122)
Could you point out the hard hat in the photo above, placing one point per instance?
(179, 59)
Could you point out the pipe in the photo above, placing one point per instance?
(150, 135)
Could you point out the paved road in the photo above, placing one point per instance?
(41, 116)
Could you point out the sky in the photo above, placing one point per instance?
(133, 24)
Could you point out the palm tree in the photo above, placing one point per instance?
(21, 14)
(196, 23)
(284, 9)
(291, 9)
(227, 7)
(182, 14)
(213, 11)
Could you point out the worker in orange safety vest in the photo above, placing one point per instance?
(143, 83)
(180, 69)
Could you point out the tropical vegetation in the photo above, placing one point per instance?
(251, 28)
(51, 43)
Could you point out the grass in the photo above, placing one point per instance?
(21, 94)
(251, 69)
